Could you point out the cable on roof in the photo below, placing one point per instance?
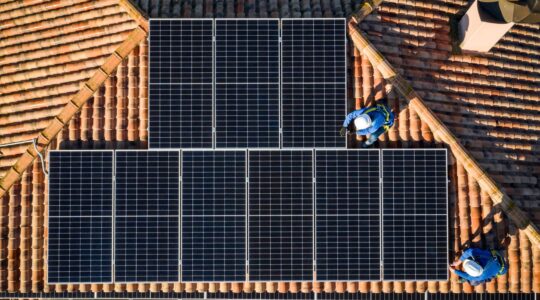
(16, 143)
(34, 142)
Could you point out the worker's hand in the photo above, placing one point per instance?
(343, 131)
(456, 263)
(452, 268)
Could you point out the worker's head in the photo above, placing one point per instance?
(362, 122)
(472, 268)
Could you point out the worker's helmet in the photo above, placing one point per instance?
(362, 122)
(472, 268)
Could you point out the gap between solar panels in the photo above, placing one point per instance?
(247, 83)
(247, 215)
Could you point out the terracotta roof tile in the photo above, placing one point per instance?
(496, 118)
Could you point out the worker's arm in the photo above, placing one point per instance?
(350, 117)
(375, 125)
(466, 254)
(474, 252)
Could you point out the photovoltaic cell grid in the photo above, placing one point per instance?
(415, 225)
(347, 215)
(181, 81)
(280, 215)
(80, 216)
(247, 83)
(313, 82)
(147, 208)
(213, 216)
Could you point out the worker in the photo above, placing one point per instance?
(479, 265)
(373, 120)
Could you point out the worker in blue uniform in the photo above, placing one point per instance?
(373, 121)
(479, 265)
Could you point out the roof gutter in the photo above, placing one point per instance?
(47, 135)
(416, 103)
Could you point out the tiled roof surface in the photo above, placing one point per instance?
(489, 101)
(469, 92)
(47, 50)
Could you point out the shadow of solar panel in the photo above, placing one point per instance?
(347, 215)
(147, 216)
(180, 83)
(415, 216)
(280, 216)
(213, 216)
(313, 82)
(80, 217)
(247, 83)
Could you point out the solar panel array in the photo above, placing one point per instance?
(207, 215)
(260, 215)
(348, 215)
(415, 214)
(313, 82)
(247, 103)
(280, 215)
(247, 83)
(146, 216)
(181, 81)
(80, 216)
(213, 216)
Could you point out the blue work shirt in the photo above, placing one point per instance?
(489, 263)
(377, 116)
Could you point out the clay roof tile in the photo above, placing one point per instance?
(494, 114)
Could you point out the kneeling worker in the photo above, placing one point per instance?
(374, 120)
(480, 266)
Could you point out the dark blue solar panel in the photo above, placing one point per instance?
(181, 81)
(180, 51)
(180, 116)
(347, 215)
(415, 176)
(80, 216)
(313, 82)
(213, 216)
(247, 83)
(415, 225)
(280, 216)
(147, 216)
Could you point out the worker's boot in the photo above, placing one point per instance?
(366, 144)
(369, 142)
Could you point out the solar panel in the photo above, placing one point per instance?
(180, 83)
(247, 83)
(147, 215)
(347, 215)
(415, 225)
(80, 217)
(213, 216)
(313, 82)
(280, 216)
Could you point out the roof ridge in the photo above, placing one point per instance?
(138, 15)
(416, 103)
